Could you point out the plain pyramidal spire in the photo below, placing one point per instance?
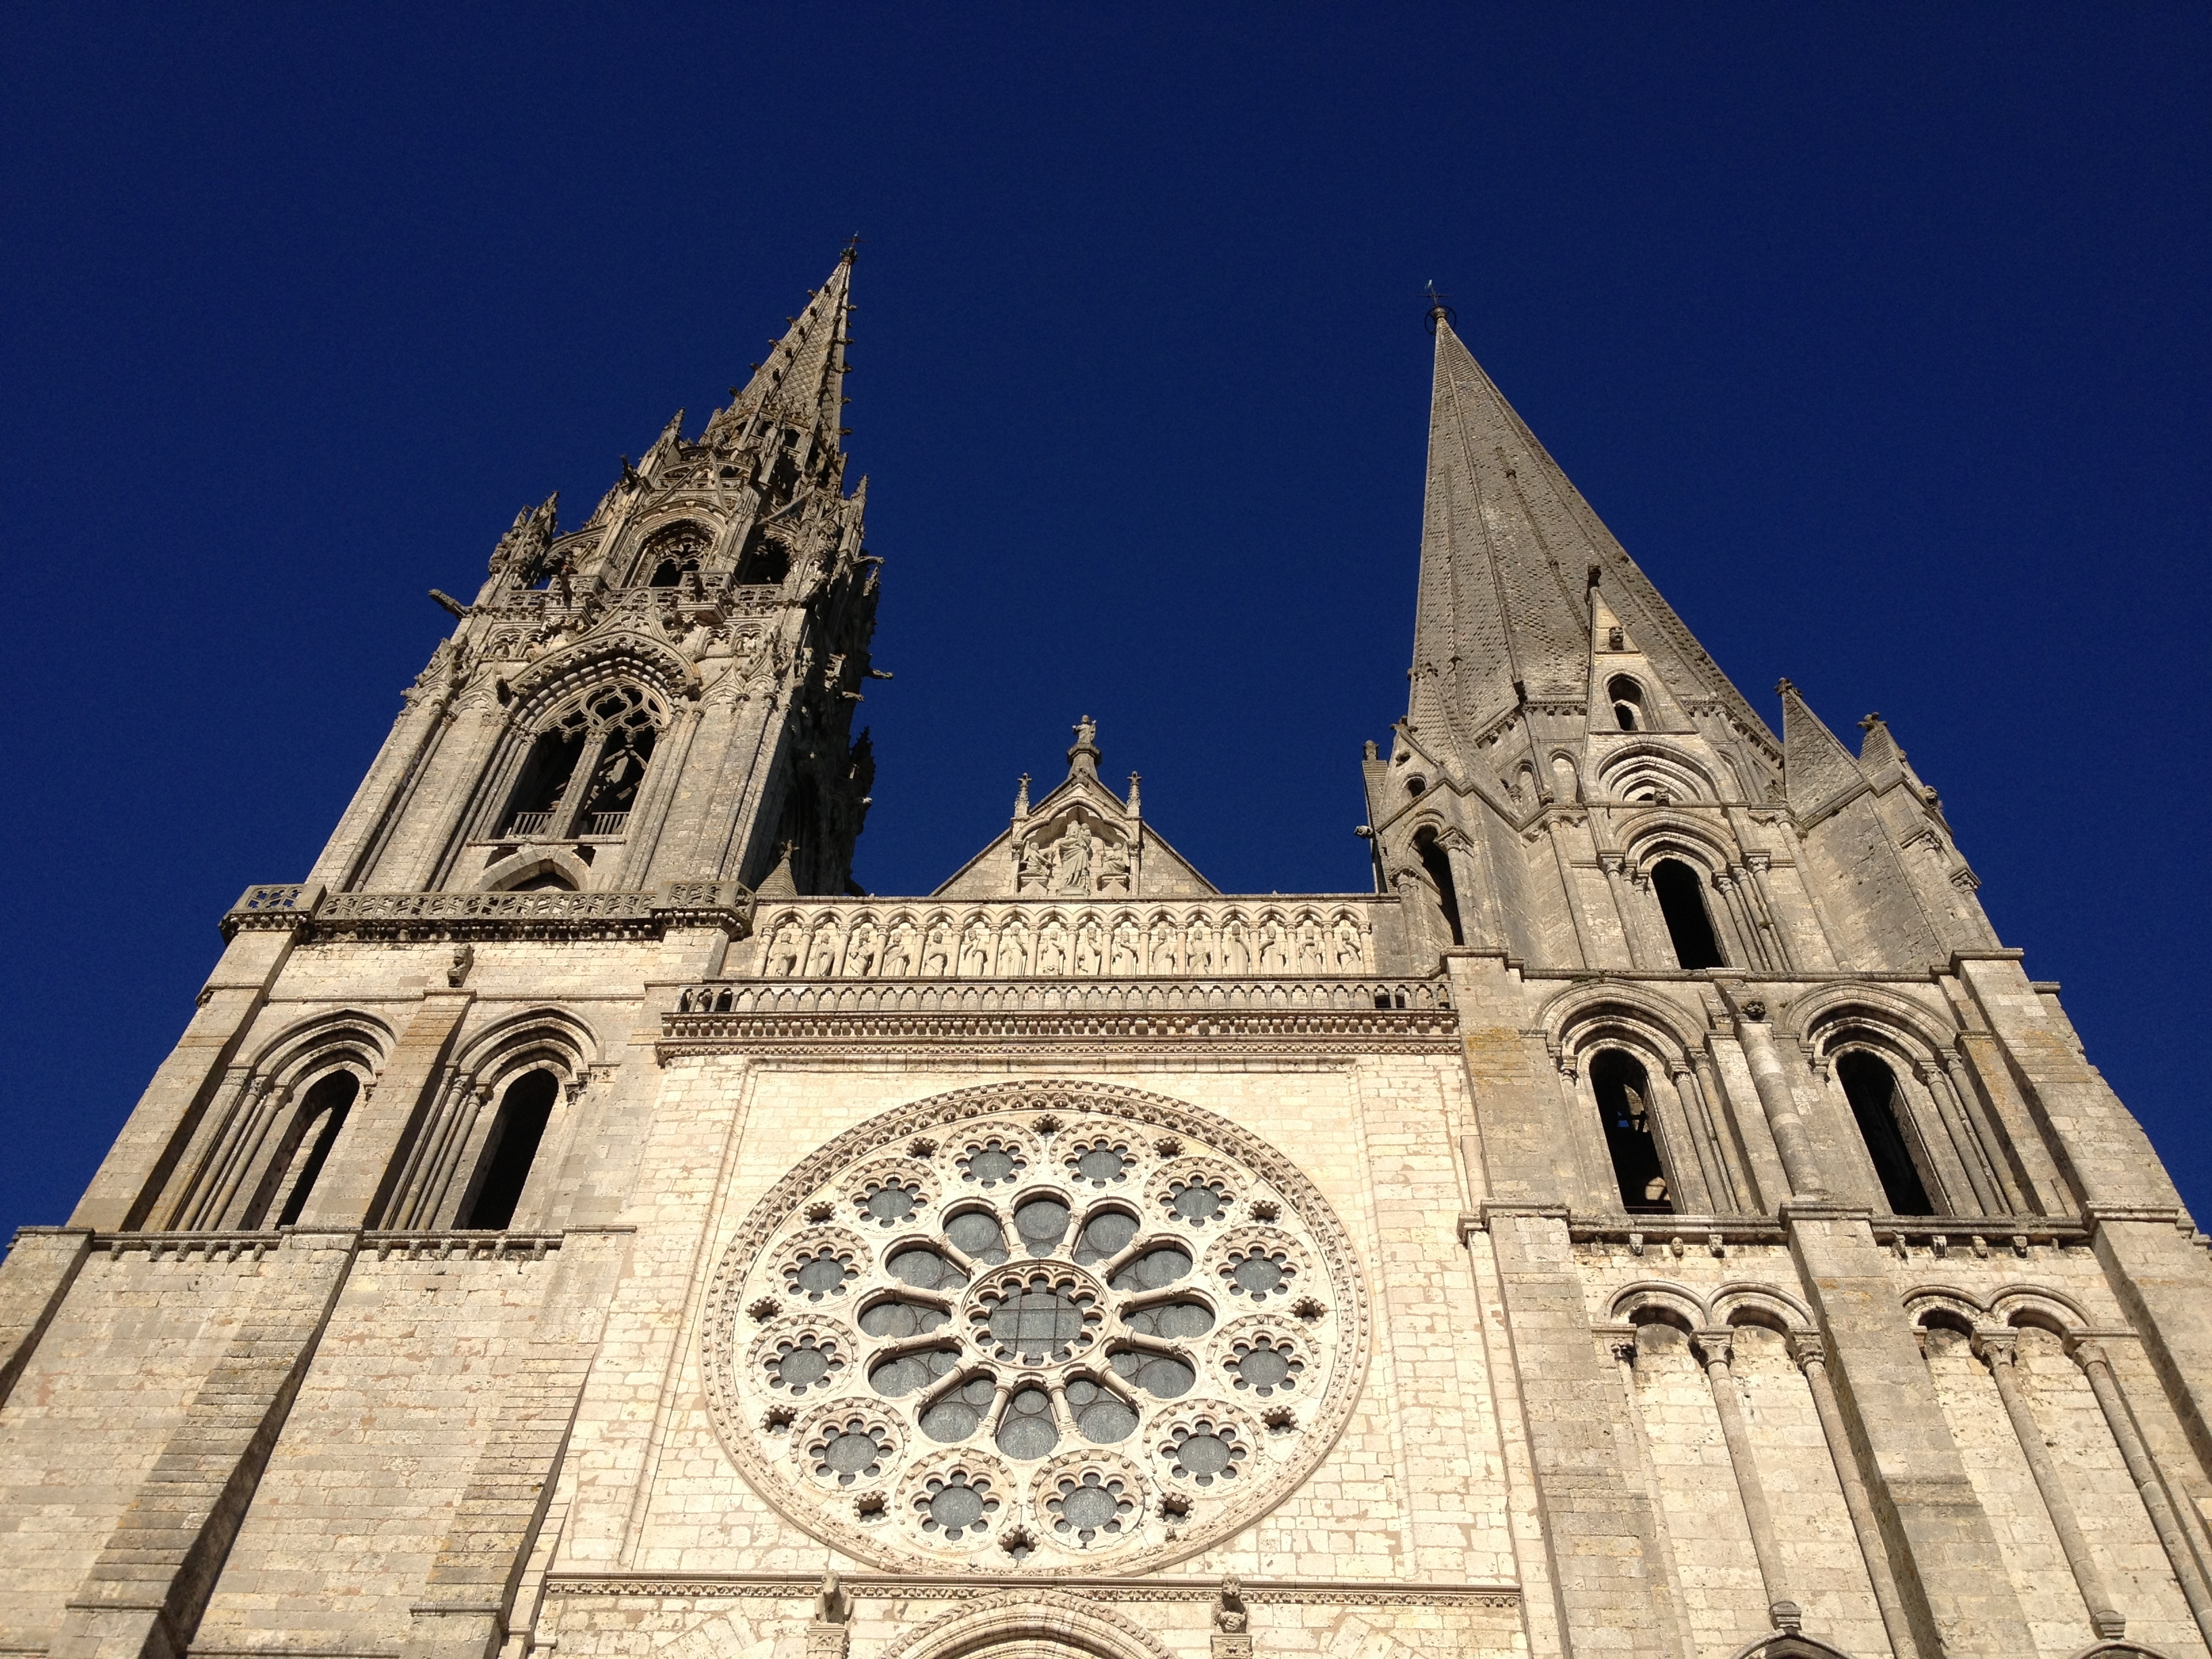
(1509, 548)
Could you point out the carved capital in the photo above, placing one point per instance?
(1996, 1347)
(1714, 1347)
(1809, 1349)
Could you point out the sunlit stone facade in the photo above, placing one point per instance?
(1660, 1219)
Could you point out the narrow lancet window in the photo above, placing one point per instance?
(1871, 1087)
(1624, 1103)
(1437, 863)
(1627, 700)
(509, 1150)
(1689, 924)
(304, 1150)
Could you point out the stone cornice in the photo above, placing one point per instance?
(883, 1586)
(1047, 1031)
(311, 914)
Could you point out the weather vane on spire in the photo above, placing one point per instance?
(1439, 311)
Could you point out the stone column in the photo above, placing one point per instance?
(1811, 1357)
(1791, 1139)
(1696, 1105)
(2143, 1472)
(1968, 1102)
(365, 1161)
(1478, 918)
(1756, 865)
(1617, 885)
(1715, 1349)
(1748, 948)
(1997, 1350)
(1960, 1133)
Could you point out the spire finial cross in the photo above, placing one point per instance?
(1439, 311)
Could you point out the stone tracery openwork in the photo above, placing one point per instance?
(1044, 1327)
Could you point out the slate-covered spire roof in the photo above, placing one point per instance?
(802, 380)
(1507, 546)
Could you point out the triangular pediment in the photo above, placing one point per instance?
(1080, 842)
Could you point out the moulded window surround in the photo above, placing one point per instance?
(1871, 1088)
(670, 552)
(1681, 898)
(1623, 1089)
(510, 1150)
(302, 1153)
(1627, 700)
(765, 563)
(1437, 863)
(581, 776)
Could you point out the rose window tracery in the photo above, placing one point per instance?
(1059, 1325)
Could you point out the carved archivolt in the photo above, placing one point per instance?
(1050, 1329)
(1027, 939)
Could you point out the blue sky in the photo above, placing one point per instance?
(1878, 335)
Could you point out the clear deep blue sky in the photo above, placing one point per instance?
(1879, 337)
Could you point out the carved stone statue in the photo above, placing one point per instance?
(1052, 949)
(822, 956)
(783, 950)
(1034, 869)
(1272, 958)
(1114, 867)
(1235, 957)
(1310, 960)
(899, 951)
(1165, 957)
(937, 953)
(1229, 1612)
(1125, 948)
(831, 1605)
(1089, 952)
(1072, 859)
(860, 952)
(1013, 951)
(1347, 945)
(975, 949)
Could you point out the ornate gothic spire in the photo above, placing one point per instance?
(1508, 545)
(801, 382)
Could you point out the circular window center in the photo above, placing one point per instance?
(1035, 1323)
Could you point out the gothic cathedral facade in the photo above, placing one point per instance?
(1659, 1220)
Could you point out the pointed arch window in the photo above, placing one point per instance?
(765, 563)
(1681, 898)
(559, 794)
(1626, 697)
(303, 1152)
(671, 553)
(503, 1169)
(1437, 863)
(1624, 1103)
(1871, 1088)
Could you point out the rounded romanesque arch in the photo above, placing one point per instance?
(1051, 1328)
(1047, 1624)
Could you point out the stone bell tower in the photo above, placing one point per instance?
(664, 693)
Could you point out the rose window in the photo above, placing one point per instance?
(1035, 1326)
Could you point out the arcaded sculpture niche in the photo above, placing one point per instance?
(1075, 857)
